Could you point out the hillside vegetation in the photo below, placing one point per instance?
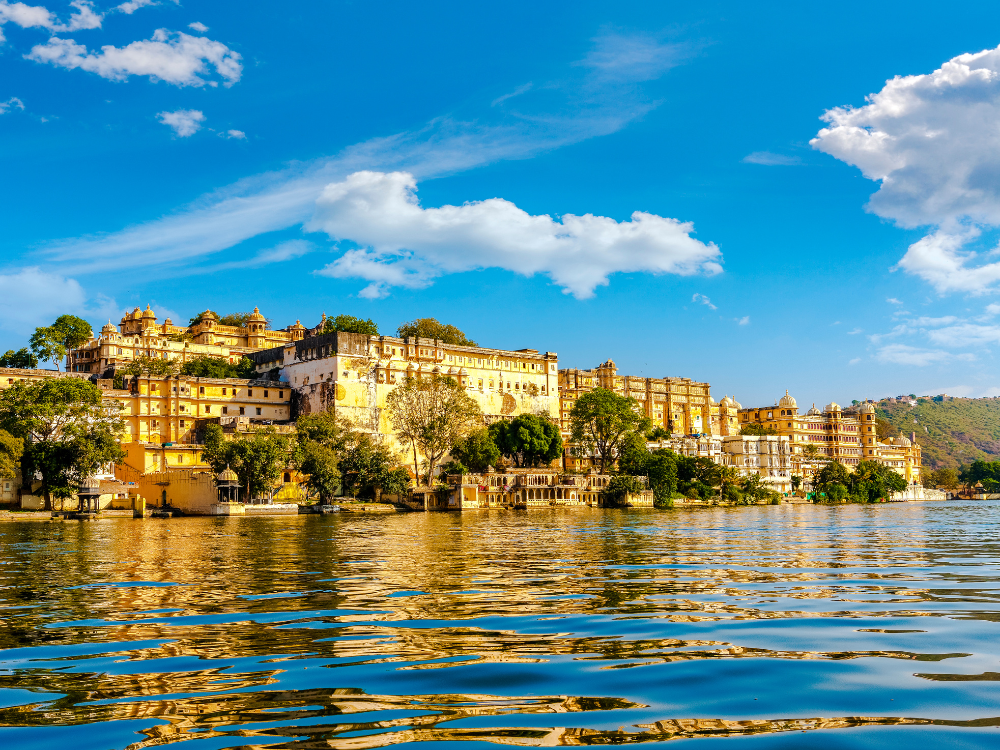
(952, 432)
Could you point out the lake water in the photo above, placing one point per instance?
(777, 626)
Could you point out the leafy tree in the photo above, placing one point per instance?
(476, 451)
(154, 366)
(11, 450)
(796, 482)
(258, 458)
(430, 328)
(350, 324)
(370, 469)
(453, 467)
(320, 464)
(69, 431)
(946, 478)
(432, 414)
(22, 359)
(528, 440)
(601, 421)
(697, 477)
(214, 367)
(833, 473)
(620, 486)
(755, 491)
(757, 429)
(870, 481)
(884, 428)
(660, 466)
(54, 341)
(658, 433)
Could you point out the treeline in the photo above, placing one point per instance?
(870, 482)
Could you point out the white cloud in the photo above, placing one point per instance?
(854, 361)
(744, 321)
(893, 301)
(408, 245)
(965, 334)
(32, 297)
(12, 103)
(131, 6)
(768, 159)
(629, 58)
(185, 122)
(579, 108)
(37, 16)
(173, 57)
(703, 300)
(237, 134)
(855, 332)
(992, 309)
(902, 354)
(523, 89)
(932, 142)
(198, 26)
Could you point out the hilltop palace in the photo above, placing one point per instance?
(301, 370)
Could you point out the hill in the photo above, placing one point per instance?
(951, 432)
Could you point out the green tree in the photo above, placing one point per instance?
(755, 491)
(215, 367)
(658, 433)
(698, 477)
(659, 466)
(528, 440)
(321, 467)
(602, 420)
(69, 431)
(832, 473)
(873, 481)
(945, 478)
(757, 429)
(620, 486)
(430, 328)
(150, 366)
(350, 324)
(370, 469)
(11, 450)
(258, 458)
(477, 451)
(51, 343)
(22, 359)
(432, 414)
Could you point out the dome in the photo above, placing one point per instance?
(208, 315)
(298, 325)
(813, 412)
(726, 401)
(228, 476)
(255, 315)
(787, 401)
(867, 408)
(109, 327)
(90, 483)
(832, 406)
(147, 313)
(902, 442)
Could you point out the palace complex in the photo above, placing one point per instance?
(300, 370)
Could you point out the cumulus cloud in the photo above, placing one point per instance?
(965, 334)
(237, 134)
(404, 244)
(768, 159)
(744, 321)
(131, 6)
(173, 57)
(703, 300)
(37, 16)
(932, 142)
(198, 26)
(185, 122)
(12, 103)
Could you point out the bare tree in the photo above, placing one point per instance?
(432, 414)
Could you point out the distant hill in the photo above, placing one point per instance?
(951, 432)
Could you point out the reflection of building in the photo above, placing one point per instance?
(680, 405)
(138, 334)
(526, 488)
(352, 374)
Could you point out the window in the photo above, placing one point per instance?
(265, 394)
(208, 409)
(242, 410)
(281, 394)
(258, 411)
(182, 423)
(225, 409)
(201, 389)
(224, 391)
(249, 392)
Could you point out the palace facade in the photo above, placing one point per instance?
(138, 334)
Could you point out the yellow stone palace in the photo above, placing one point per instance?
(138, 334)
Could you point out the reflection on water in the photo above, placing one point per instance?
(563, 627)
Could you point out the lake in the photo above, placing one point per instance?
(775, 626)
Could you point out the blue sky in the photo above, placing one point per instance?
(648, 183)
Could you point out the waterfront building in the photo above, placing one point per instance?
(353, 374)
(767, 456)
(524, 488)
(138, 334)
(680, 405)
(848, 436)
